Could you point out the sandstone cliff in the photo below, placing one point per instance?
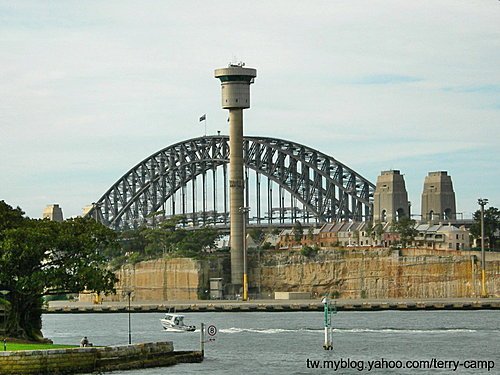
(376, 273)
(353, 273)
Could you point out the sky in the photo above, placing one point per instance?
(91, 88)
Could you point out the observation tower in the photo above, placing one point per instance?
(235, 86)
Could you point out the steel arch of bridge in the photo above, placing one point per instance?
(319, 187)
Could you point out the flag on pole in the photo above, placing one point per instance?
(203, 118)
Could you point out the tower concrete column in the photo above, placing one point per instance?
(236, 193)
(235, 88)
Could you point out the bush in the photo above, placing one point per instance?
(267, 245)
(309, 251)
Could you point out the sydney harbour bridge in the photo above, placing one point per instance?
(284, 182)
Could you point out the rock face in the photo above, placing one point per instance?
(353, 273)
(373, 273)
(162, 279)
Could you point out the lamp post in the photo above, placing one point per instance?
(244, 211)
(484, 293)
(128, 292)
(129, 321)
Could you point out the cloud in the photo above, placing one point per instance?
(480, 89)
(385, 79)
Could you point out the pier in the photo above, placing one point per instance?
(268, 305)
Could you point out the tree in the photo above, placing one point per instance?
(298, 231)
(10, 217)
(42, 258)
(309, 251)
(257, 234)
(170, 238)
(491, 225)
(406, 229)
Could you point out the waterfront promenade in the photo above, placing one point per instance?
(274, 305)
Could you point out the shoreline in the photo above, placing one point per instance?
(268, 305)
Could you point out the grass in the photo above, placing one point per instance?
(13, 346)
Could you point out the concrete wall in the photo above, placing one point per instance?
(81, 360)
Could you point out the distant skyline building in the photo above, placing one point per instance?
(390, 200)
(53, 212)
(438, 197)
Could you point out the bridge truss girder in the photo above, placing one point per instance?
(319, 187)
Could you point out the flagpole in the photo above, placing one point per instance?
(204, 119)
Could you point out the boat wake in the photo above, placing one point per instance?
(399, 330)
(347, 330)
(254, 330)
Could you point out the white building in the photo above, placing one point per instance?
(442, 237)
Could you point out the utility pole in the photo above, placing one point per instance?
(484, 293)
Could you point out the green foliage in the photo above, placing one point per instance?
(168, 239)
(257, 234)
(43, 258)
(491, 225)
(10, 217)
(378, 230)
(335, 294)
(375, 230)
(309, 251)
(14, 346)
(310, 233)
(298, 231)
(267, 245)
(406, 229)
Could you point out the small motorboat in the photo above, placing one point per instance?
(175, 323)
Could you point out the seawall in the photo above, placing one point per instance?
(87, 360)
(62, 307)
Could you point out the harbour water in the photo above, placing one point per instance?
(291, 342)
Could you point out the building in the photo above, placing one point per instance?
(366, 234)
(442, 237)
(288, 238)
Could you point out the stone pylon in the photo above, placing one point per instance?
(390, 200)
(438, 198)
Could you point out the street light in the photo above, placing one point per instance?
(484, 294)
(244, 211)
(128, 292)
